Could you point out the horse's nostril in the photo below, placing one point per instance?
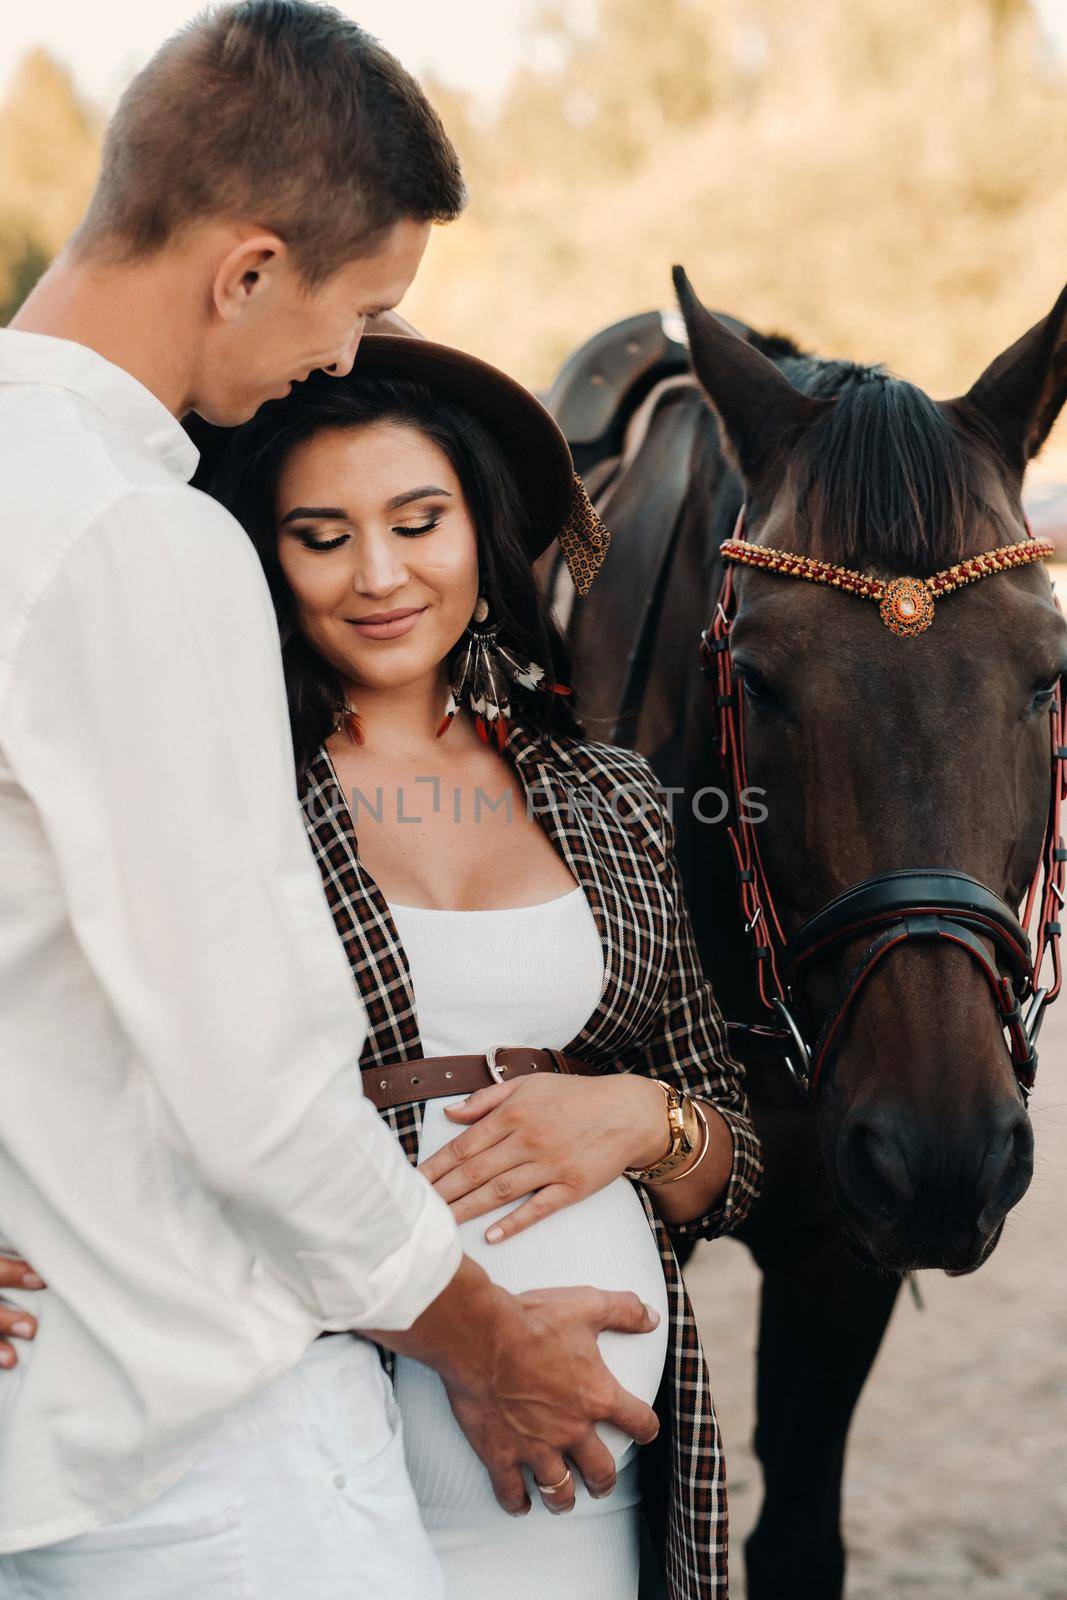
(923, 1182)
(873, 1169)
(1007, 1167)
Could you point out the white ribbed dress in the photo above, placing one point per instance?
(525, 975)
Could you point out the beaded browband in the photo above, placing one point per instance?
(906, 605)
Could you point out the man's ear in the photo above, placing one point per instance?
(1019, 395)
(760, 414)
(246, 272)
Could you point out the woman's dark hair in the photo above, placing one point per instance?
(246, 481)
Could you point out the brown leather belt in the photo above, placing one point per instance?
(432, 1077)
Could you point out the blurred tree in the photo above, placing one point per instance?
(637, 72)
(843, 171)
(49, 152)
(26, 261)
(885, 179)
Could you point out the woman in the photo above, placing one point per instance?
(497, 880)
(549, 914)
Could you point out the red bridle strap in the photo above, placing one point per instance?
(757, 902)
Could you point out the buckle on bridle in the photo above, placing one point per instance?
(799, 1070)
(1035, 1015)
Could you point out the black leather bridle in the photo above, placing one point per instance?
(889, 909)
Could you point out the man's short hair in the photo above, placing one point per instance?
(279, 112)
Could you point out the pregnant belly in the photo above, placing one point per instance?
(604, 1241)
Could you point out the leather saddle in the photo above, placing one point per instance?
(602, 385)
(624, 402)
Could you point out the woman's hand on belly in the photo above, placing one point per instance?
(554, 1139)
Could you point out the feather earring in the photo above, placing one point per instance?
(458, 684)
(484, 668)
(527, 674)
(347, 718)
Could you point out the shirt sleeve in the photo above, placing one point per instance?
(145, 716)
(688, 1047)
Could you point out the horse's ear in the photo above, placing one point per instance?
(1020, 394)
(760, 413)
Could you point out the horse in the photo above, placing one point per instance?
(919, 765)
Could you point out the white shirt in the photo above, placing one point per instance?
(186, 1156)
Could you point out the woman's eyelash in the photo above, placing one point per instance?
(424, 527)
(331, 544)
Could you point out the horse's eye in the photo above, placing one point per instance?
(1044, 695)
(757, 690)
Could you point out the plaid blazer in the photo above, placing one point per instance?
(602, 808)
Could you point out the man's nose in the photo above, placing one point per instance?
(346, 360)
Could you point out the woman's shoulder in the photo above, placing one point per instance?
(609, 763)
(623, 781)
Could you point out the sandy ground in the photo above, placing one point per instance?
(957, 1476)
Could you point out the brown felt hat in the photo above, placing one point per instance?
(534, 447)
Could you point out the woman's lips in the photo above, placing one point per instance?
(393, 629)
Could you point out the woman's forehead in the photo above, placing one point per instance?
(379, 458)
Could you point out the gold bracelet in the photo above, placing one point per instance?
(678, 1176)
(679, 1146)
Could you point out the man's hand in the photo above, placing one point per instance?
(527, 1381)
(543, 1391)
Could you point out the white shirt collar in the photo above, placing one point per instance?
(63, 364)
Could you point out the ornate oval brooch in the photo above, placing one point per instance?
(907, 606)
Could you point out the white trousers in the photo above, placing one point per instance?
(305, 1494)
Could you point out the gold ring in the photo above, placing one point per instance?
(554, 1488)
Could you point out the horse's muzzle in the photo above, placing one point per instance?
(917, 1193)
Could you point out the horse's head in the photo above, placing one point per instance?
(879, 752)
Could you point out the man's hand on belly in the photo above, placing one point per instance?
(526, 1380)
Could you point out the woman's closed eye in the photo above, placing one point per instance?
(412, 530)
(406, 530)
(321, 544)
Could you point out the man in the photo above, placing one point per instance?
(185, 1153)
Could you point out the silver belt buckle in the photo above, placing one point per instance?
(496, 1073)
(499, 1073)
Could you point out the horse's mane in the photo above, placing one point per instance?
(884, 479)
